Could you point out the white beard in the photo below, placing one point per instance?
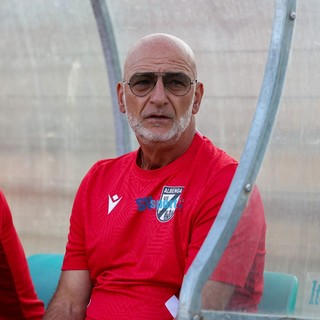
(179, 126)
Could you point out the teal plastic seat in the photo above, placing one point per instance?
(279, 294)
(45, 270)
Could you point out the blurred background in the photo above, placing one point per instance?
(56, 115)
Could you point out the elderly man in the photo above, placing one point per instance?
(139, 220)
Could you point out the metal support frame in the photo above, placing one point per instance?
(249, 165)
(208, 315)
(110, 51)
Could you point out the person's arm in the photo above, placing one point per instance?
(18, 298)
(216, 295)
(72, 296)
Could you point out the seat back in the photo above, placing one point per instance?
(45, 270)
(279, 294)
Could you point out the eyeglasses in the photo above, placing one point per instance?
(177, 83)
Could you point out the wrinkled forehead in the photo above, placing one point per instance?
(160, 55)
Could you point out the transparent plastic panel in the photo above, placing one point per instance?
(290, 177)
(56, 117)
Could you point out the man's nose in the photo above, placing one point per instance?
(159, 92)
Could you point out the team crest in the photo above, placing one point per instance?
(168, 203)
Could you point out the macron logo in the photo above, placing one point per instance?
(113, 201)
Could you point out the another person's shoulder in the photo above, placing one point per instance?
(2, 198)
(4, 207)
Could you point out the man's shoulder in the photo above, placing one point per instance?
(212, 154)
(113, 163)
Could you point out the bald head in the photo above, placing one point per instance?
(160, 52)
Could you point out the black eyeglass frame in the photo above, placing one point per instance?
(162, 74)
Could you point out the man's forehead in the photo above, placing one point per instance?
(160, 58)
(162, 64)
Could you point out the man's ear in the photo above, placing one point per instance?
(120, 95)
(197, 97)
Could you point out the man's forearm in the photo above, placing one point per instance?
(216, 295)
(58, 311)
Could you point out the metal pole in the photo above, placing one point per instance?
(110, 51)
